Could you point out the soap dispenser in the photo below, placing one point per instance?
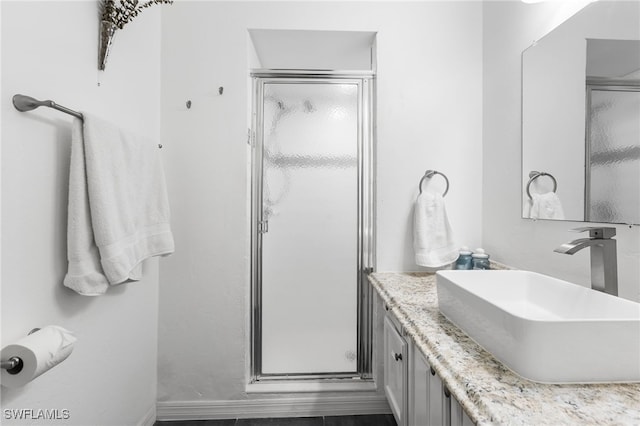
(464, 259)
(480, 259)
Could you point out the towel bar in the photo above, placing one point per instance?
(26, 103)
(533, 175)
(428, 175)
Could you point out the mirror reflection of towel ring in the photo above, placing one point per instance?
(428, 175)
(535, 175)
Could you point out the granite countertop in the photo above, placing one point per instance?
(487, 390)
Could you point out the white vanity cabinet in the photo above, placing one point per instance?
(415, 392)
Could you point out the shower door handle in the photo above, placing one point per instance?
(263, 226)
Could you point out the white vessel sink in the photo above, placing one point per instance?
(545, 329)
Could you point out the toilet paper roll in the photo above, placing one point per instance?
(39, 352)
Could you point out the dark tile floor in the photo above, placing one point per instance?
(364, 420)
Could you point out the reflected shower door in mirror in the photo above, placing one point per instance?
(310, 217)
(580, 121)
(613, 159)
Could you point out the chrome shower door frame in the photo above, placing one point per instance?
(365, 222)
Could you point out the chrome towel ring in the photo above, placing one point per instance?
(428, 175)
(533, 175)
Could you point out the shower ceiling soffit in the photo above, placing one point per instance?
(313, 50)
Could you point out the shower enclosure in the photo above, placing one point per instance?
(312, 225)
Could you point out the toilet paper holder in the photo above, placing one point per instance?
(14, 364)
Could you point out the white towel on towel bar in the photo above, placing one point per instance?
(433, 238)
(118, 208)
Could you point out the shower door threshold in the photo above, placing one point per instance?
(353, 384)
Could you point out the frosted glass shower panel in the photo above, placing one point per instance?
(310, 250)
(614, 160)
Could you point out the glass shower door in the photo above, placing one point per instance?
(308, 227)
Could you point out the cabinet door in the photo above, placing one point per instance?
(458, 415)
(456, 412)
(436, 400)
(395, 371)
(418, 389)
(430, 402)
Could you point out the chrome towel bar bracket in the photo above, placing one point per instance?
(533, 175)
(27, 103)
(428, 175)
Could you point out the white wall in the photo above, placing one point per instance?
(429, 117)
(49, 51)
(509, 28)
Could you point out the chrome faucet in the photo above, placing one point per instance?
(604, 262)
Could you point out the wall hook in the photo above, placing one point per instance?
(220, 90)
(189, 104)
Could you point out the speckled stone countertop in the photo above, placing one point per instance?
(487, 390)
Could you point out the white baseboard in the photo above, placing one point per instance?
(273, 407)
(149, 418)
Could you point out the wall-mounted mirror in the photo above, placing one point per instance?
(581, 118)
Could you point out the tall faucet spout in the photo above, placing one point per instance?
(604, 263)
(576, 245)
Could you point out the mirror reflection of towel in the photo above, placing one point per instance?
(433, 238)
(545, 206)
